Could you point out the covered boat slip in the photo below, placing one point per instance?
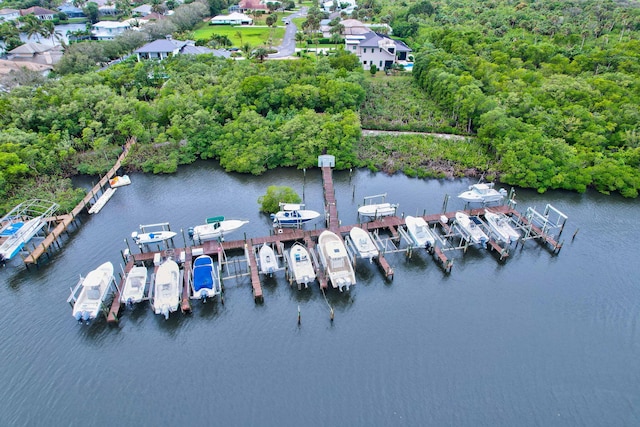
(22, 224)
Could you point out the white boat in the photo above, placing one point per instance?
(166, 291)
(215, 227)
(471, 229)
(205, 278)
(20, 236)
(377, 210)
(102, 200)
(152, 237)
(363, 243)
(419, 232)
(499, 225)
(268, 260)
(134, 285)
(335, 260)
(301, 265)
(483, 193)
(292, 215)
(119, 181)
(94, 290)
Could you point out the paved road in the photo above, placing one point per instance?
(288, 46)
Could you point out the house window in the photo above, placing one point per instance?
(364, 62)
(380, 50)
(354, 48)
(364, 50)
(381, 63)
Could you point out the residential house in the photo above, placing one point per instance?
(376, 49)
(40, 12)
(108, 30)
(71, 11)
(36, 53)
(249, 5)
(346, 6)
(164, 48)
(7, 67)
(354, 27)
(9, 14)
(143, 10)
(231, 19)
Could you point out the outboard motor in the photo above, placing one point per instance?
(86, 317)
(190, 231)
(165, 312)
(79, 317)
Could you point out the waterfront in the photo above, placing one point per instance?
(537, 340)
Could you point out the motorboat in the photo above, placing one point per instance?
(378, 210)
(301, 265)
(134, 286)
(93, 291)
(363, 243)
(166, 291)
(335, 260)
(501, 228)
(20, 236)
(292, 215)
(471, 229)
(206, 283)
(483, 193)
(119, 181)
(268, 260)
(214, 228)
(152, 237)
(419, 232)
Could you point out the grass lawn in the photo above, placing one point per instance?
(255, 36)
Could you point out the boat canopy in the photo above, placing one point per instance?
(215, 219)
(292, 207)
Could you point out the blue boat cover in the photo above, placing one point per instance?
(202, 274)
(12, 229)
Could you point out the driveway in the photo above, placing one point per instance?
(288, 46)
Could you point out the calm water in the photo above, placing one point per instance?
(538, 340)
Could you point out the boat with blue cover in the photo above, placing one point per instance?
(206, 283)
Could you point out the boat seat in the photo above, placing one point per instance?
(93, 293)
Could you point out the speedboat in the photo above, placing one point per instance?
(377, 210)
(499, 225)
(335, 260)
(419, 231)
(95, 289)
(363, 243)
(152, 237)
(301, 265)
(471, 229)
(166, 292)
(268, 259)
(215, 227)
(291, 215)
(20, 235)
(133, 289)
(483, 193)
(119, 181)
(205, 278)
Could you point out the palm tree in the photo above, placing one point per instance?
(31, 26)
(49, 31)
(260, 53)
(300, 37)
(238, 34)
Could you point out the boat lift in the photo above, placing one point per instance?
(547, 225)
(23, 223)
(105, 304)
(374, 200)
(288, 271)
(279, 248)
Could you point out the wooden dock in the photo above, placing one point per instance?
(255, 275)
(330, 208)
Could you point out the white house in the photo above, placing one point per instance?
(143, 10)
(108, 30)
(164, 48)
(376, 49)
(40, 12)
(234, 18)
(9, 14)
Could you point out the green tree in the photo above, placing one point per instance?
(373, 69)
(270, 202)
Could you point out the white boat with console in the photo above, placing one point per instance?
(134, 286)
(206, 283)
(293, 215)
(483, 193)
(166, 291)
(94, 290)
(363, 243)
(268, 260)
(378, 210)
(335, 260)
(471, 229)
(152, 237)
(419, 232)
(301, 265)
(500, 226)
(214, 228)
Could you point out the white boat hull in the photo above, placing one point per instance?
(482, 193)
(216, 230)
(166, 293)
(499, 225)
(419, 232)
(377, 210)
(94, 289)
(293, 215)
(205, 281)
(268, 260)
(363, 243)
(335, 260)
(471, 230)
(19, 238)
(301, 265)
(134, 286)
(153, 237)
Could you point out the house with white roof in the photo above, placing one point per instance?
(9, 14)
(376, 49)
(108, 30)
(234, 18)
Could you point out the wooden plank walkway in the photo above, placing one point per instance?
(186, 282)
(255, 276)
(114, 311)
(330, 208)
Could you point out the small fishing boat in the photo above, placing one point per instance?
(20, 236)
(501, 228)
(134, 286)
(471, 229)
(292, 215)
(166, 292)
(483, 193)
(301, 265)
(119, 181)
(378, 210)
(215, 227)
(363, 243)
(94, 290)
(419, 232)
(205, 278)
(152, 237)
(268, 260)
(335, 260)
